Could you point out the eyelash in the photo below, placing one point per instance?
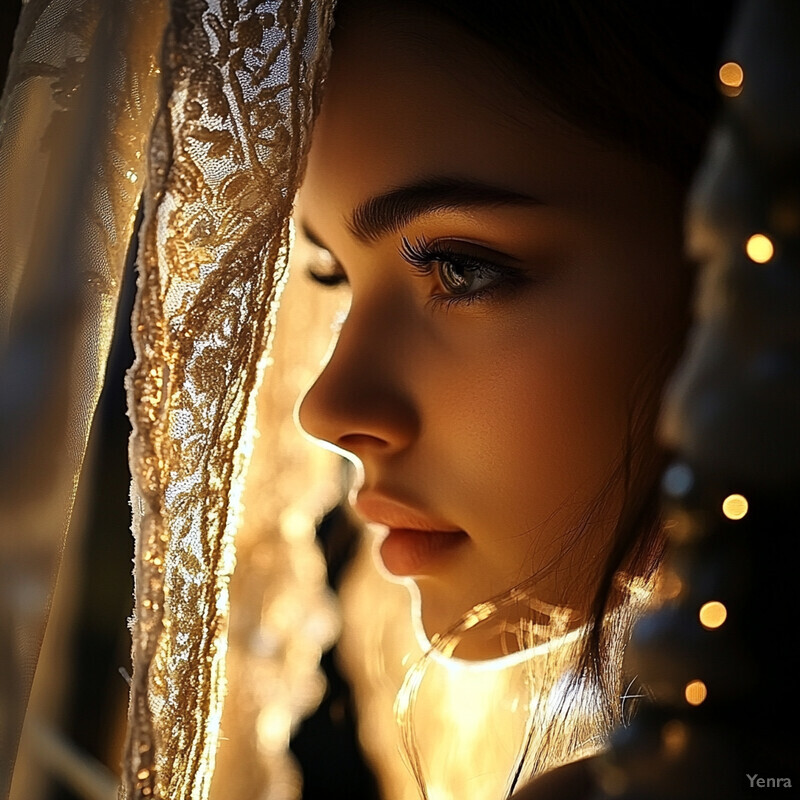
(329, 280)
(423, 256)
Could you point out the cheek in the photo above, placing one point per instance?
(560, 427)
(532, 413)
(526, 426)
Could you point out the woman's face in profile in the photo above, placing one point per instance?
(517, 288)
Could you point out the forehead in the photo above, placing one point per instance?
(410, 96)
(409, 92)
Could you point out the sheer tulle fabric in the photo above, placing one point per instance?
(79, 103)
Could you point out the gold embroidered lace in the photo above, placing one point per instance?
(205, 106)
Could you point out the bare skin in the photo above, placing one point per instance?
(516, 290)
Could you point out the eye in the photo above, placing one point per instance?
(325, 270)
(463, 276)
(459, 278)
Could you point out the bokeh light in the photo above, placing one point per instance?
(670, 585)
(674, 737)
(735, 506)
(713, 614)
(759, 248)
(695, 692)
(678, 480)
(681, 525)
(731, 76)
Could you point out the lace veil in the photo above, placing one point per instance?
(202, 108)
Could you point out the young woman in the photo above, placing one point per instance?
(502, 187)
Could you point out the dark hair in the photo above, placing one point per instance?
(639, 74)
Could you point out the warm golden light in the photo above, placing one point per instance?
(713, 614)
(695, 692)
(670, 586)
(680, 525)
(759, 248)
(731, 74)
(674, 737)
(612, 780)
(731, 78)
(735, 506)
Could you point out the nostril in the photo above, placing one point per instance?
(369, 420)
(355, 442)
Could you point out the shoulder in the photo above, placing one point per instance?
(573, 781)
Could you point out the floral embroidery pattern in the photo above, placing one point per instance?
(240, 84)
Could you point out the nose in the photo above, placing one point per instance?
(360, 402)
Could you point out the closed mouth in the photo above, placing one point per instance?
(415, 541)
(382, 510)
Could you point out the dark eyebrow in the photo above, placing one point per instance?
(390, 211)
(311, 236)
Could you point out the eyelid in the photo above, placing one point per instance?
(324, 269)
(330, 279)
(425, 249)
(423, 255)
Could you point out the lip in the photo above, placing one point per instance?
(416, 541)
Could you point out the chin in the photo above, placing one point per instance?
(438, 615)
